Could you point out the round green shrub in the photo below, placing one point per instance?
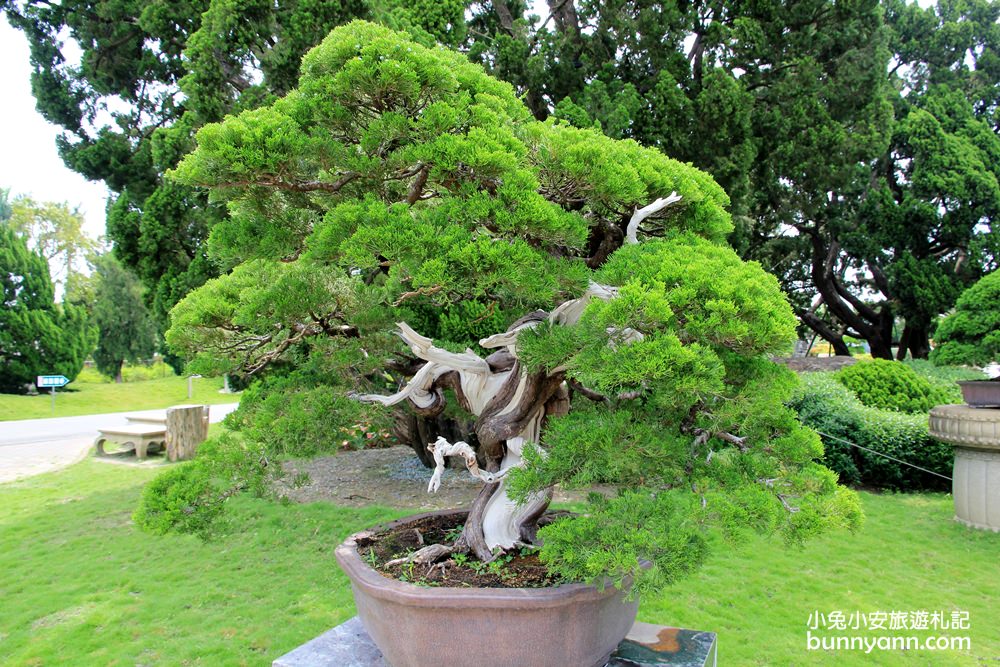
(891, 385)
(181, 499)
(191, 497)
(971, 335)
(831, 409)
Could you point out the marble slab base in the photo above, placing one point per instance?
(348, 645)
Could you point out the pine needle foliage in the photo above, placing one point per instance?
(971, 335)
(400, 181)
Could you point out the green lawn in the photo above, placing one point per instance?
(88, 398)
(80, 585)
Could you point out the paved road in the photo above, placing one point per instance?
(32, 446)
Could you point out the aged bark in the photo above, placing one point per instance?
(510, 405)
(915, 340)
(187, 427)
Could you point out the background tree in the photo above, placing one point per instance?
(812, 115)
(5, 208)
(55, 231)
(399, 182)
(37, 336)
(971, 335)
(754, 93)
(916, 223)
(125, 331)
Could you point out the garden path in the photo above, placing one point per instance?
(33, 446)
(390, 477)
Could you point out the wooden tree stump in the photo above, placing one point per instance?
(187, 427)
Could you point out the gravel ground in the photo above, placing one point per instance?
(392, 477)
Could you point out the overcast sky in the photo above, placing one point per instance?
(29, 162)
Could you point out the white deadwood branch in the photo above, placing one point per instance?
(646, 211)
(441, 448)
(439, 362)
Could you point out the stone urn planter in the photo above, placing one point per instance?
(573, 625)
(975, 433)
(981, 393)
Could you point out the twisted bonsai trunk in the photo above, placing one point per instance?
(510, 404)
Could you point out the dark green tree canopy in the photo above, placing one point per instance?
(971, 335)
(917, 220)
(37, 336)
(160, 70)
(802, 111)
(398, 183)
(125, 331)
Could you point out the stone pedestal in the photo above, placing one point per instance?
(975, 433)
(348, 645)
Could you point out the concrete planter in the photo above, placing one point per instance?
(572, 625)
(975, 433)
(981, 393)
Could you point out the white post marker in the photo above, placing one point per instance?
(51, 382)
(190, 388)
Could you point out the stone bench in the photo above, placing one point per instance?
(138, 437)
(147, 419)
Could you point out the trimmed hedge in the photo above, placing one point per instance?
(891, 385)
(829, 407)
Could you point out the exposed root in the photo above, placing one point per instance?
(442, 566)
(425, 556)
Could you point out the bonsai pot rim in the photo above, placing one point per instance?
(415, 626)
(380, 586)
(981, 393)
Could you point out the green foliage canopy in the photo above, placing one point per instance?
(55, 231)
(401, 180)
(971, 335)
(37, 335)
(891, 385)
(125, 330)
(160, 71)
(918, 224)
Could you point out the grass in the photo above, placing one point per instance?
(910, 556)
(80, 585)
(89, 398)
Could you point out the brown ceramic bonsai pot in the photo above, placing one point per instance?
(573, 625)
(981, 393)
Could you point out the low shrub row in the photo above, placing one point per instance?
(130, 373)
(828, 406)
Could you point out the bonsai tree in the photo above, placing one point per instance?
(571, 293)
(971, 335)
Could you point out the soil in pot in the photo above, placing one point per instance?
(516, 570)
